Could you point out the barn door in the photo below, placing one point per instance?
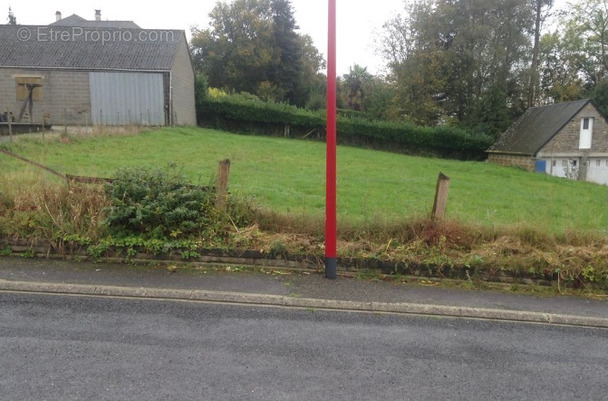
(127, 98)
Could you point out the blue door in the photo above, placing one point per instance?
(541, 166)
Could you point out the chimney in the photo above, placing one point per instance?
(57, 15)
(97, 15)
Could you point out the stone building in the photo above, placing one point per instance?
(565, 140)
(79, 72)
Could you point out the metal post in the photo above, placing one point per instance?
(331, 232)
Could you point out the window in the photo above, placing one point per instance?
(553, 163)
(573, 163)
(598, 162)
(564, 163)
(24, 83)
(586, 133)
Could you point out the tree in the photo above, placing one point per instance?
(286, 72)
(560, 80)
(357, 87)
(449, 57)
(252, 46)
(235, 53)
(379, 102)
(586, 38)
(541, 9)
(415, 59)
(573, 60)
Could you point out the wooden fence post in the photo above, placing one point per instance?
(10, 125)
(441, 196)
(222, 184)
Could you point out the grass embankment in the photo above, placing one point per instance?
(497, 217)
(288, 176)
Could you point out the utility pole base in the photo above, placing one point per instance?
(331, 268)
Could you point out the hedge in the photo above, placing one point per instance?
(243, 114)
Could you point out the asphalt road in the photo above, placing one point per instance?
(82, 348)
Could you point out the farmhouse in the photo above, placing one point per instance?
(79, 72)
(565, 140)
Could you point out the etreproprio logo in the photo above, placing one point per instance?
(73, 34)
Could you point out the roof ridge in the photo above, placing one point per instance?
(561, 103)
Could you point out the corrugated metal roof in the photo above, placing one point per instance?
(89, 48)
(76, 20)
(536, 127)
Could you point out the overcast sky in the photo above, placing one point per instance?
(358, 26)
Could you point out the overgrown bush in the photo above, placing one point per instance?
(159, 204)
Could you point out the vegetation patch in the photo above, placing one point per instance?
(247, 114)
(160, 212)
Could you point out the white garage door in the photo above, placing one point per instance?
(597, 171)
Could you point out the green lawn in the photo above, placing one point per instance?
(289, 176)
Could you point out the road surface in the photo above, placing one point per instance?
(56, 347)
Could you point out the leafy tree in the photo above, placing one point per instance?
(234, 53)
(586, 39)
(379, 104)
(599, 93)
(559, 77)
(286, 71)
(449, 57)
(357, 87)
(252, 46)
(574, 58)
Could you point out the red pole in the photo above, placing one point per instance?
(330, 201)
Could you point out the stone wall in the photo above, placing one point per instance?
(567, 140)
(502, 159)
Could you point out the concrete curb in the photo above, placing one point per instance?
(311, 303)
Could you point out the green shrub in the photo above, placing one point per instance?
(245, 114)
(159, 204)
(200, 92)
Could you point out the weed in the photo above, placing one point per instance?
(28, 253)
(369, 275)
(588, 274)
(98, 250)
(6, 251)
(277, 250)
(189, 255)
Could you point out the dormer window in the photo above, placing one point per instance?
(586, 133)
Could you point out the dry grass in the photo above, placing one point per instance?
(53, 211)
(34, 208)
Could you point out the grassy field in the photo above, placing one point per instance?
(288, 176)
